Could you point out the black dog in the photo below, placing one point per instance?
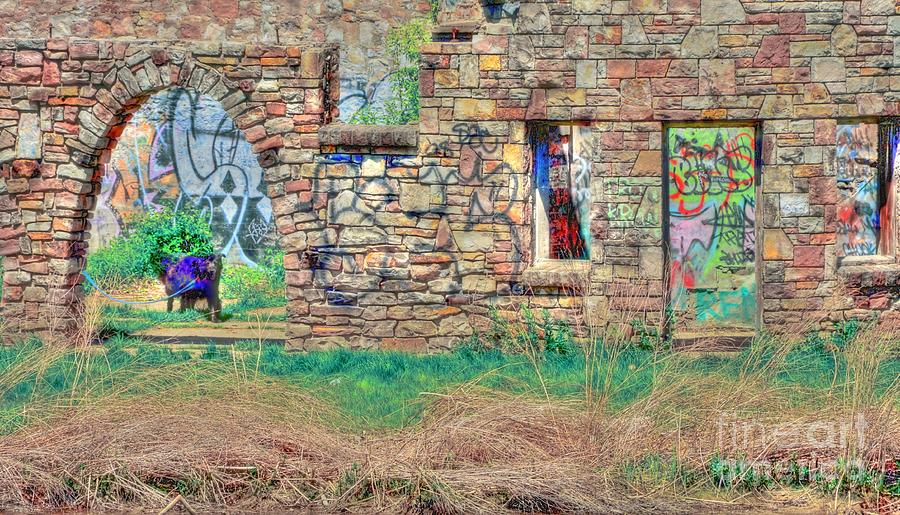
(195, 278)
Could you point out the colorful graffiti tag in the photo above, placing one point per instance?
(856, 166)
(888, 190)
(182, 149)
(712, 235)
(562, 177)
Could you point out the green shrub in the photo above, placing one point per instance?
(149, 238)
(262, 285)
(528, 333)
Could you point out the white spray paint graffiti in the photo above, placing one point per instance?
(182, 149)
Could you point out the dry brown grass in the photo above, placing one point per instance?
(224, 436)
(227, 441)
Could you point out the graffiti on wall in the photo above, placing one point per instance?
(562, 185)
(856, 166)
(182, 150)
(888, 236)
(712, 236)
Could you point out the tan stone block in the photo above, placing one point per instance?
(566, 97)
(649, 163)
(777, 246)
(478, 284)
(514, 157)
(489, 63)
(448, 78)
(475, 109)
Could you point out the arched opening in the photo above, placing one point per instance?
(183, 181)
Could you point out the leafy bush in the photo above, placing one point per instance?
(149, 238)
(404, 45)
(528, 333)
(262, 285)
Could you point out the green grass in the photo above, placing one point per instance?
(390, 389)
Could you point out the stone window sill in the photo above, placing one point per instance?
(557, 273)
(869, 271)
(377, 139)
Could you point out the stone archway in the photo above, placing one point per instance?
(80, 94)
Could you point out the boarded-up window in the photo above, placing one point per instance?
(562, 196)
(865, 157)
(856, 166)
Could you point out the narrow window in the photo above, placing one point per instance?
(562, 191)
(865, 155)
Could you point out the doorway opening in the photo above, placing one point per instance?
(181, 186)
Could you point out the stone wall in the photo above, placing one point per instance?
(629, 69)
(66, 102)
(358, 27)
(404, 237)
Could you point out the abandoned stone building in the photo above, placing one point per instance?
(719, 166)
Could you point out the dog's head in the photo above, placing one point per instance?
(214, 266)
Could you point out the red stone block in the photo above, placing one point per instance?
(674, 87)
(426, 83)
(12, 293)
(224, 9)
(774, 51)
(268, 143)
(298, 185)
(804, 274)
(60, 249)
(653, 67)
(83, 50)
(792, 23)
(823, 239)
(8, 233)
(29, 58)
(620, 69)
(511, 113)
(46, 185)
(255, 133)
(276, 109)
(763, 19)
(823, 190)
(24, 75)
(26, 168)
(537, 108)
(608, 35)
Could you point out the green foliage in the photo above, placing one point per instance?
(740, 474)
(404, 45)
(529, 334)
(656, 469)
(147, 240)
(648, 336)
(435, 9)
(846, 477)
(260, 286)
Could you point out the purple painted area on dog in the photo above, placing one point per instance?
(197, 277)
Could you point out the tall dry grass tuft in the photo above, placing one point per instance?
(215, 436)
